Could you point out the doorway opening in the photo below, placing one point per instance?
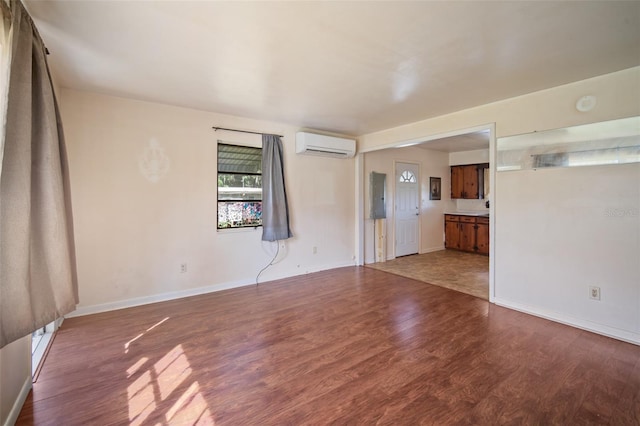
(432, 157)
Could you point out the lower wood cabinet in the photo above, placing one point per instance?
(466, 233)
(482, 235)
(452, 232)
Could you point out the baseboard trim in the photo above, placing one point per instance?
(432, 249)
(12, 418)
(172, 295)
(593, 327)
(425, 251)
(156, 298)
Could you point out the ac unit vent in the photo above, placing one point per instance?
(326, 146)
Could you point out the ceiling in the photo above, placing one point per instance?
(465, 142)
(344, 67)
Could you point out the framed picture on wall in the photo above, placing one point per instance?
(435, 188)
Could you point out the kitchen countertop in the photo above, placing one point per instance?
(479, 214)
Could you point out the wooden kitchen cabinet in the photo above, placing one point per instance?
(466, 233)
(482, 235)
(471, 182)
(452, 231)
(467, 181)
(457, 182)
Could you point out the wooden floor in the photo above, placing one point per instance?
(453, 269)
(346, 346)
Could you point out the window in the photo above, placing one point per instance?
(595, 144)
(41, 339)
(590, 157)
(407, 177)
(239, 186)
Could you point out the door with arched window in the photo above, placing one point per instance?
(407, 209)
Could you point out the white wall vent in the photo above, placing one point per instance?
(326, 146)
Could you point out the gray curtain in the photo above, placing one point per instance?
(38, 280)
(275, 210)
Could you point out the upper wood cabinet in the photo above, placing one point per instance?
(457, 182)
(467, 181)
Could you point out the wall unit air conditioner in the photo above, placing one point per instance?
(326, 146)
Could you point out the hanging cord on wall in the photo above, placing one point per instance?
(270, 263)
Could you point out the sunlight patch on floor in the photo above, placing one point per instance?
(126, 345)
(152, 388)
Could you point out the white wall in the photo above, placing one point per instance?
(432, 164)
(476, 156)
(15, 374)
(562, 230)
(617, 96)
(132, 234)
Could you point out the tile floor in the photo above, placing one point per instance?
(455, 270)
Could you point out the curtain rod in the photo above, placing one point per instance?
(244, 131)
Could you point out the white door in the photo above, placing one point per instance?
(407, 208)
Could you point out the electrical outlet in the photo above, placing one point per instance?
(315, 250)
(594, 293)
(183, 268)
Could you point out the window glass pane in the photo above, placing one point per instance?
(608, 142)
(239, 181)
(239, 194)
(239, 159)
(239, 214)
(407, 177)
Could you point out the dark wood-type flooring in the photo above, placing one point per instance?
(346, 346)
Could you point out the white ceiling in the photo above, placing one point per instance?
(344, 67)
(466, 142)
